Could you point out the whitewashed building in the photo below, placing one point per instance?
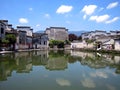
(83, 44)
(40, 41)
(117, 44)
(93, 34)
(113, 33)
(2, 28)
(57, 33)
(29, 34)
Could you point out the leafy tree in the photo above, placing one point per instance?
(67, 42)
(5, 41)
(72, 37)
(89, 41)
(11, 38)
(58, 43)
(80, 38)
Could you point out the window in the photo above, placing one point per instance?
(44, 43)
(20, 41)
(2, 30)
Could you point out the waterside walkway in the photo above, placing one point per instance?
(82, 49)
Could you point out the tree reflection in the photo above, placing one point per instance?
(57, 61)
(97, 60)
(7, 65)
(23, 62)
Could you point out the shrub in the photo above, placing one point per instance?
(58, 43)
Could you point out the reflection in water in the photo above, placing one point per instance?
(88, 82)
(55, 60)
(94, 60)
(63, 82)
(110, 87)
(81, 70)
(100, 74)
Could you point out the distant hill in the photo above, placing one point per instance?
(41, 31)
(78, 33)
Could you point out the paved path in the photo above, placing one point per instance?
(2, 52)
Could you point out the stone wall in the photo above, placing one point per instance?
(117, 45)
(57, 33)
(79, 45)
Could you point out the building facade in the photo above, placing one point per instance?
(113, 33)
(93, 34)
(57, 33)
(3, 25)
(27, 32)
(117, 44)
(6, 29)
(40, 41)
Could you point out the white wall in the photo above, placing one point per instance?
(117, 45)
(28, 30)
(81, 45)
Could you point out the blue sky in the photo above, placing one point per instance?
(75, 15)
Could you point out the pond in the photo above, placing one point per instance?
(59, 70)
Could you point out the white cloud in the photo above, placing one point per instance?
(102, 18)
(89, 83)
(110, 87)
(90, 9)
(23, 20)
(63, 82)
(30, 9)
(100, 74)
(112, 20)
(47, 15)
(38, 25)
(92, 18)
(112, 5)
(99, 19)
(64, 9)
(85, 16)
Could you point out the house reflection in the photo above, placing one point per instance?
(23, 62)
(57, 61)
(97, 60)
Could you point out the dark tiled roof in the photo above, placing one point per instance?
(38, 34)
(22, 31)
(23, 26)
(9, 24)
(4, 20)
(56, 28)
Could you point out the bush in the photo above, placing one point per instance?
(89, 41)
(67, 42)
(58, 43)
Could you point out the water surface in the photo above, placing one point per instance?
(59, 70)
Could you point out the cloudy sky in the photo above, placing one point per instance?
(75, 15)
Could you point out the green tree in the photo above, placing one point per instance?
(67, 42)
(11, 38)
(89, 41)
(72, 37)
(58, 43)
(80, 38)
(5, 41)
